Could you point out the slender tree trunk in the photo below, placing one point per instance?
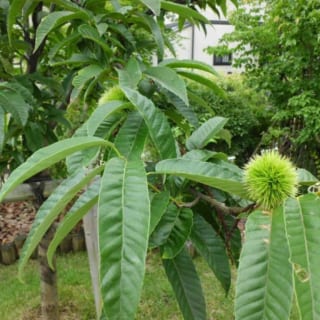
(48, 280)
(48, 277)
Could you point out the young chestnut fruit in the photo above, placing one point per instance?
(270, 179)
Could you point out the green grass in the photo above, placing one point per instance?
(21, 301)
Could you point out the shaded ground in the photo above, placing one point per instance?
(15, 219)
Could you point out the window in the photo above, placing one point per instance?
(224, 60)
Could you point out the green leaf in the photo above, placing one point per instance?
(2, 128)
(220, 176)
(210, 245)
(184, 11)
(124, 214)
(85, 74)
(157, 34)
(185, 110)
(15, 10)
(302, 218)
(204, 81)
(186, 285)
(208, 130)
(51, 208)
(46, 157)
(168, 79)
(82, 205)
(153, 5)
(158, 126)
(204, 155)
(264, 285)
(91, 33)
(225, 135)
(179, 234)
(305, 177)
(12, 102)
(53, 20)
(165, 226)
(189, 64)
(101, 113)
(131, 75)
(159, 205)
(131, 137)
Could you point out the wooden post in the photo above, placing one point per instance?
(90, 224)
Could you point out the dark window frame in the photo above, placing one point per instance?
(219, 60)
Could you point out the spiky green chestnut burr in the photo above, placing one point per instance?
(115, 93)
(270, 179)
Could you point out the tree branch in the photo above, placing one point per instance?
(221, 207)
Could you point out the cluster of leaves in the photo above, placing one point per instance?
(247, 110)
(277, 44)
(133, 217)
(30, 96)
(60, 54)
(189, 193)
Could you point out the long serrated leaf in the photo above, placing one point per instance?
(158, 126)
(50, 209)
(85, 74)
(204, 155)
(305, 177)
(91, 33)
(2, 128)
(164, 226)
(15, 10)
(179, 234)
(131, 75)
(159, 205)
(124, 214)
(189, 64)
(208, 130)
(302, 218)
(131, 137)
(82, 205)
(210, 245)
(184, 11)
(185, 110)
(219, 176)
(169, 79)
(186, 285)
(53, 20)
(46, 157)
(102, 112)
(157, 34)
(264, 285)
(198, 78)
(154, 5)
(13, 103)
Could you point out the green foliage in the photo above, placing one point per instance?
(181, 196)
(90, 50)
(246, 110)
(277, 45)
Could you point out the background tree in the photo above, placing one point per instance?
(276, 43)
(60, 55)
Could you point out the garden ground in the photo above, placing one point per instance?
(21, 301)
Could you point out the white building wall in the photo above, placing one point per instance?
(193, 41)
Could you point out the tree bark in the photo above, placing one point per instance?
(48, 280)
(48, 277)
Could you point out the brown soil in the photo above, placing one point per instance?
(15, 219)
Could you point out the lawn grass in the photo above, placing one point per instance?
(21, 301)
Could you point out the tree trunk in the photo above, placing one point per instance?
(48, 280)
(48, 277)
